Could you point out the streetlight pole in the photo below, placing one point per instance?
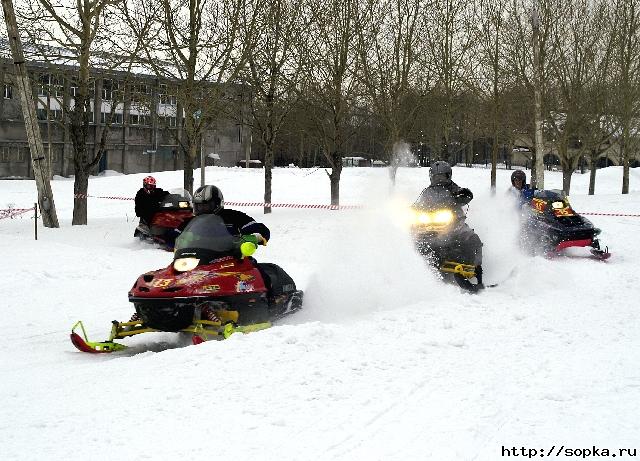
(537, 179)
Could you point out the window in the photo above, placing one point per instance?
(134, 119)
(167, 121)
(5, 154)
(21, 153)
(42, 114)
(8, 92)
(165, 95)
(43, 85)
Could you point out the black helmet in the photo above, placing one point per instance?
(518, 174)
(440, 172)
(207, 200)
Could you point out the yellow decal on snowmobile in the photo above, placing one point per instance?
(566, 211)
(161, 283)
(211, 288)
(538, 205)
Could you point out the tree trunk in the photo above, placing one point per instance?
(334, 178)
(80, 188)
(592, 174)
(189, 157)
(567, 171)
(268, 167)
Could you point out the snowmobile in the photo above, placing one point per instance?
(211, 270)
(444, 238)
(173, 211)
(551, 225)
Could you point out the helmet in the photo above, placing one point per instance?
(440, 172)
(149, 182)
(518, 174)
(207, 199)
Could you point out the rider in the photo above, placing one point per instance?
(148, 199)
(519, 187)
(440, 178)
(468, 246)
(209, 200)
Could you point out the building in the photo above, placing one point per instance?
(144, 134)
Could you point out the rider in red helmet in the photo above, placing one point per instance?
(148, 199)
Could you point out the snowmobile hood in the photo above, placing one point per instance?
(226, 276)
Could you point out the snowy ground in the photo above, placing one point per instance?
(384, 362)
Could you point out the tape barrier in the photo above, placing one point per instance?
(257, 204)
(13, 212)
(316, 206)
(613, 214)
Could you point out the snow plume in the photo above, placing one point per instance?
(496, 220)
(402, 155)
(371, 265)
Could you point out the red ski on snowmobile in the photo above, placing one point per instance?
(211, 272)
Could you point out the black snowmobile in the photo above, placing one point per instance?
(446, 240)
(551, 225)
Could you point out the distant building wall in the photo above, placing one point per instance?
(141, 139)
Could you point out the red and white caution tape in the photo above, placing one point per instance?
(613, 214)
(13, 212)
(102, 196)
(295, 205)
(308, 206)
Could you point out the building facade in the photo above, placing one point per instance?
(143, 137)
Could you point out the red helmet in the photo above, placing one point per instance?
(149, 182)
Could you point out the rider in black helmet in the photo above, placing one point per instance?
(209, 200)
(519, 187)
(440, 177)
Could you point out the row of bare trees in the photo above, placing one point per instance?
(439, 73)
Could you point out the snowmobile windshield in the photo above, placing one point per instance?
(176, 199)
(206, 237)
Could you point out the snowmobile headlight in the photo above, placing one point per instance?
(185, 264)
(183, 205)
(424, 218)
(443, 217)
(557, 205)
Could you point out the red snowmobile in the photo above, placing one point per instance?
(551, 225)
(173, 211)
(211, 270)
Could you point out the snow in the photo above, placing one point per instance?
(383, 363)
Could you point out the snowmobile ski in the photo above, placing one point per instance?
(202, 330)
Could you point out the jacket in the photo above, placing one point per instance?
(147, 203)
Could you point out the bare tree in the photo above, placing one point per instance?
(520, 52)
(626, 20)
(389, 35)
(573, 69)
(490, 23)
(274, 72)
(200, 46)
(450, 43)
(331, 88)
(75, 35)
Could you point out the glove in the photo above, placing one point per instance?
(260, 239)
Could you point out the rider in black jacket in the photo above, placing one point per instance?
(148, 198)
(209, 200)
(440, 177)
